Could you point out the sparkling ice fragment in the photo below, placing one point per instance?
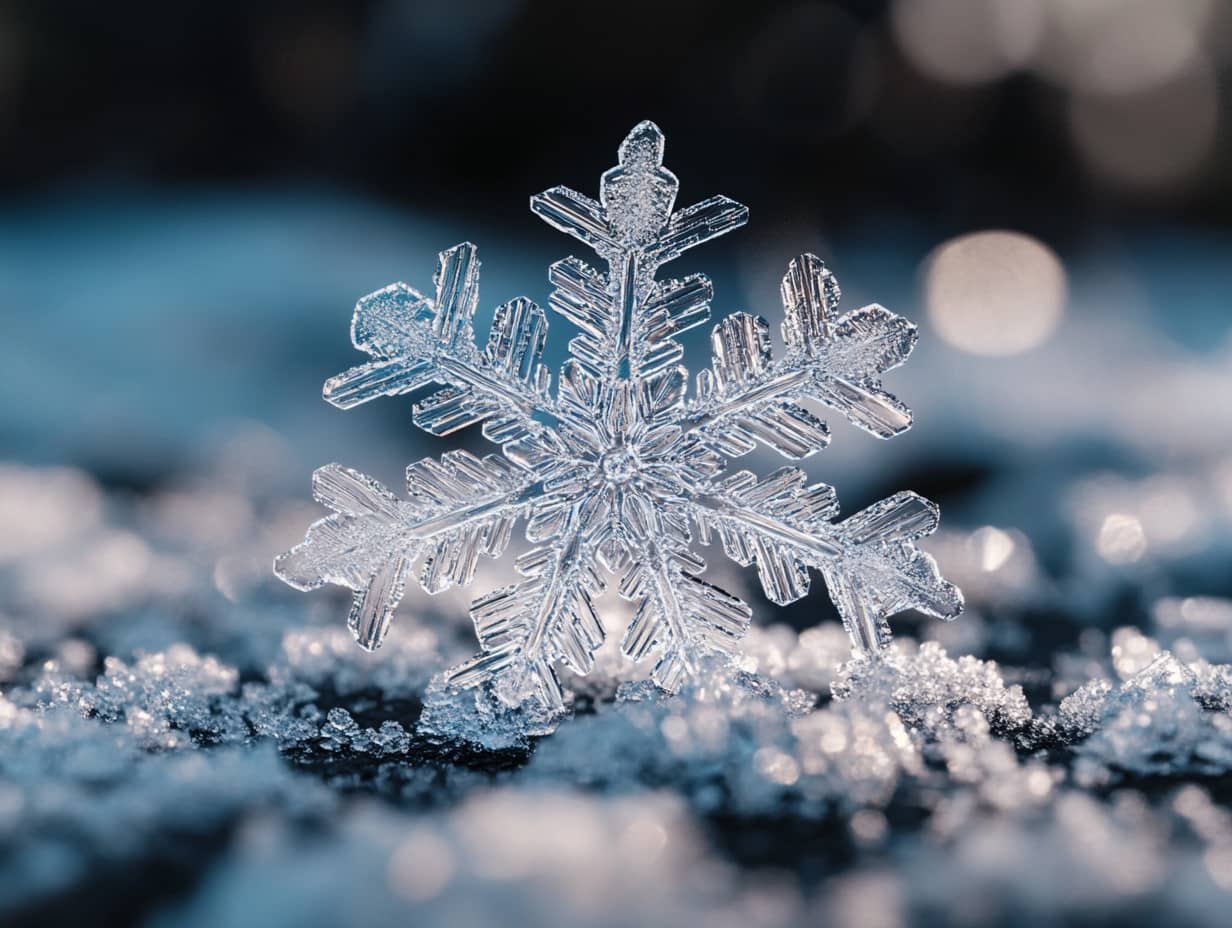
(617, 474)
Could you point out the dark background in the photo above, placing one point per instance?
(452, 104)
(192, 196)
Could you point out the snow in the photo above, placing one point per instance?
(260, 768)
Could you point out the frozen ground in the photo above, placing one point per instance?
(184, 743)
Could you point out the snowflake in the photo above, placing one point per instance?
(617, 474)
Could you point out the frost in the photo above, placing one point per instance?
(166, 699)
(474, 716)
(113, 774)
(1166, 718)
(742, 745)
(341, 732)
(618, 473)
(926, 688)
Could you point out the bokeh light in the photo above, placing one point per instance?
(421, 866)
(967, 41)
(1121, 539)
(1116, 46)
(995, 293)
(1155, 136)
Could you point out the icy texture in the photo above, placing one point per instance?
(746, 798)
(618, 473)
(735, 743)
(1166, 718)
(926, 688)
(745, 744)
(95, 776)
(341, 732)
(474, 717)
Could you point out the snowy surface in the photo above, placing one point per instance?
(185, 742)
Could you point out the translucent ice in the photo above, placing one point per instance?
(1166, 717)
(341, 732)
(927, 687)
(618, 472)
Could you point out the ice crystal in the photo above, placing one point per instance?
(927, 688)
(1165, 718)
(470, 716)
(617, 473)
(342, 732)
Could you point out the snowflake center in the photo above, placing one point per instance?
(619, 465)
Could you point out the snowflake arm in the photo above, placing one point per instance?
(417, 342)
(524, 629)
(679, 615)
(870, 562)
(748, 396)
(458, 508)
(627, 317)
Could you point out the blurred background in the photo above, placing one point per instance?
(193, 195)
(192, 198)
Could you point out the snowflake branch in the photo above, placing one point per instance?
(612, 468)
(419, 342)
(869, 560)
(458, 508)
(681, 615)
(632, 227)
(524, 629)
(747, 395)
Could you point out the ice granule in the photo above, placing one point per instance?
(475, 717)
(168, 699)
(98, 791)
(283, 712)
(926, 687)
(1165, 717)
(733, 744)
(341, 732)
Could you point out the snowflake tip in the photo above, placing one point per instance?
(643, 146)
